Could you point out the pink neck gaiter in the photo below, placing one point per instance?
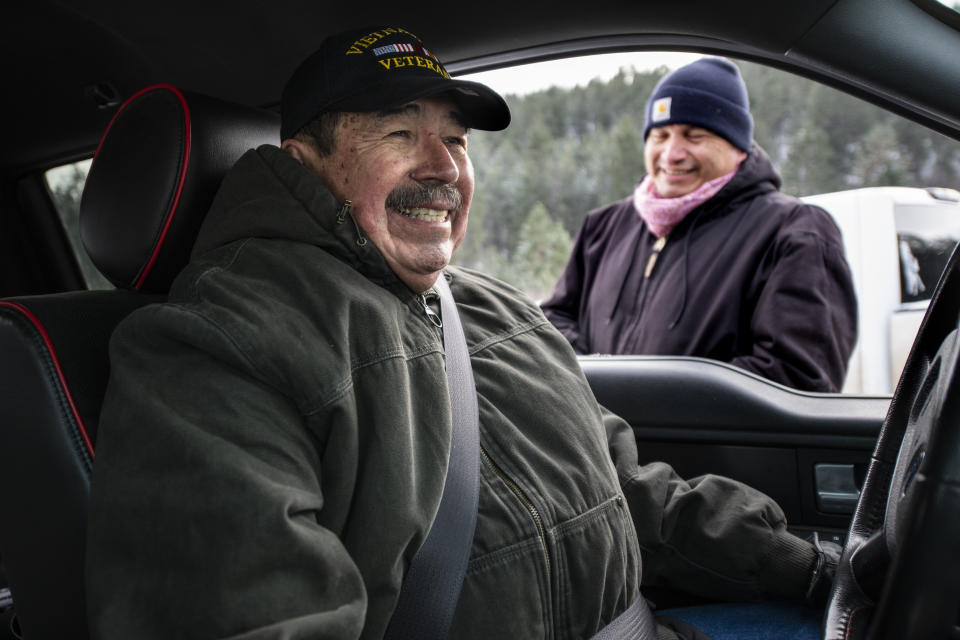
(663, 214)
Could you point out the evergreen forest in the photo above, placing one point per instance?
(568, 151)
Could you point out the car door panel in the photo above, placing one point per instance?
(703, 416)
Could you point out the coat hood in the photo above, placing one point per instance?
(756, 175)
(268, 194)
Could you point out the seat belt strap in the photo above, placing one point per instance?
(635, 623)
(431, 587)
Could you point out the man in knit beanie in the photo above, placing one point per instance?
(707, 258)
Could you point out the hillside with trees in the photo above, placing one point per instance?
(568, 151)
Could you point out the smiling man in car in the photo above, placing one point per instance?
(707, 258)
(276, 437)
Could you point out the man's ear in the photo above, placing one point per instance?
(306, 155)
(295, 148)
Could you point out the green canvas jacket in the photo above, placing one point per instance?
(274, 443)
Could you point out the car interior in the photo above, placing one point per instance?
(164, 98)
(156, 172)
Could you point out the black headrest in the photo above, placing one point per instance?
(155, 173)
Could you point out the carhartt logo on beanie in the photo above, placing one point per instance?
(707, 93)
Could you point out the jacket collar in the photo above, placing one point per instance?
(268, 194)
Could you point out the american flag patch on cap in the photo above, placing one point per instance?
(401, 48)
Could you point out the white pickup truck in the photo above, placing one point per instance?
(898, 240)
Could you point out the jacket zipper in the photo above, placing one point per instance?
(652, 260)
(658, 246)
(531, 509)
(342, 215)
(648, 271)
(430, 313)
(343, 211)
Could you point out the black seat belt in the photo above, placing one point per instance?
(431, 587)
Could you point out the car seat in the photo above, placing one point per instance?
(154, 175)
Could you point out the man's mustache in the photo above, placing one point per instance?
(425, 196)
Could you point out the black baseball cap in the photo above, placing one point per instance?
(378, 68)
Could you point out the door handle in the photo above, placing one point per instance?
(836, 487)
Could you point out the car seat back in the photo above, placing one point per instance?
(154, 175)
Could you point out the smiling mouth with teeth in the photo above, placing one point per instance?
(427, 215)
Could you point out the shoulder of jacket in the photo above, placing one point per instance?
(613, 209)
(608, 216)
(802, 217)
(495, 306)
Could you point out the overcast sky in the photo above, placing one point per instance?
(574, 71)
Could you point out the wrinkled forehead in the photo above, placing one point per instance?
(368, 125)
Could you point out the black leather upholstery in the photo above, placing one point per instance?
(155, 174)
(51, 383)
(163, 156)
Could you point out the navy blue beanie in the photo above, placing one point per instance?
(708, 93)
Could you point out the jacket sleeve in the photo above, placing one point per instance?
(205, 498)
(709, 536)
(562, 309)
(804, 324)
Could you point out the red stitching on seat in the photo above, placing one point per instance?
(180, 180)
(56, 365)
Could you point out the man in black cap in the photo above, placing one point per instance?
(285, 416)
(707, 258)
